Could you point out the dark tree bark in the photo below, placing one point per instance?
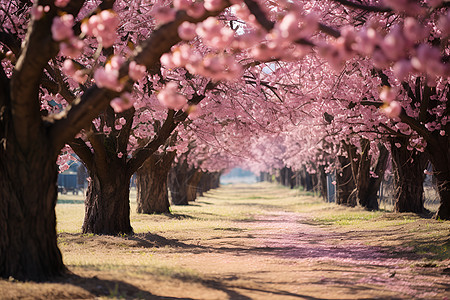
(306, 180)
(28, 193)
(367, 186)
(288, 177)
(216, 179)
(152, 190)
(178, 177)
(438, 146)
(440, 158)
(205, 183)
(30, 143)
(192, 185)
(28, 170)
(408, 169)
(323, 182)
(107, 206)
(345, 183)
(368, 197)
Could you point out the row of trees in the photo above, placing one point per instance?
(228, 81)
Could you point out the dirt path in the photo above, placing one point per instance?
(244, 242)
(282, 257)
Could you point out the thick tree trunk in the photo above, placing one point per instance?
(107, 206)
(323, 182)
(440, 158)
(306, 180)
(408, 169)
(345, 183)
(367, 186)
(286, 177)
(28, 194)
(216, 180)
(151, 182)
(178, 176)
(192, 185)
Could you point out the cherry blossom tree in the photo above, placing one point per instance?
(31, 138)
(60, 70)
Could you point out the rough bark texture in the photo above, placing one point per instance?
(151, 182)
(178, 177)
(306, 180)
(345, 183)
(440, 158)
(287, 177)
(192, 185)
(29, 146)
(107, 206)
(28, 193)
(367, 186)
(208, 181)
(323, 182)
(408, 169)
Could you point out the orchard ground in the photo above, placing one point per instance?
(253, 241)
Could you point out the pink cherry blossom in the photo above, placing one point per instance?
(62, 27)
(108, 77)
(122, 103)
(186, 31)
(102, 26)
(213, 5)
(196, 10)
(72, 48)
(38, 11)
(182, 4)
(393, 110)
(164, 14)
(69, 68)
(388, 94)
(402, 69)
(170, 98)
(136, 72)
(61, 3)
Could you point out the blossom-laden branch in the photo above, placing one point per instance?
(172, 120)
(78, 115)
(369, 8)
(38, 48)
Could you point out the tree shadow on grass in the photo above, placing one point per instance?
(180, 216)
(149, 240)
(115, 289)
(118, 289)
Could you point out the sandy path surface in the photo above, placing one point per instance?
(280, 256)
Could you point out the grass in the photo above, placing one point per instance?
(222, 247)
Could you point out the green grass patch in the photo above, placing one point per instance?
(345, 217)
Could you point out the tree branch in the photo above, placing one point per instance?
(425, 103)
(145, 152)
(124, 133)
(11, 41)
(368, 8)
(171, 122)
(97, 140)
(4, 91)
(268, 25)
(84, 109)
(78, 115)
(83, 151)
(259, 14)
(37, 50)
